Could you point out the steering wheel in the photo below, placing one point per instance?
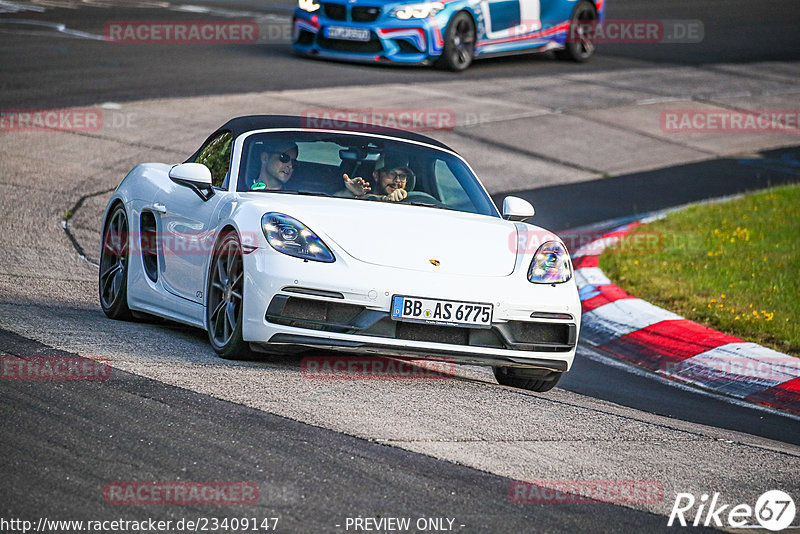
(423, 198)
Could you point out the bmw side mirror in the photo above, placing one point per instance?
(517, 209)
(195, 176)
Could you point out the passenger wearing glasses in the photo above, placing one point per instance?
(277, 167)
(391, 178)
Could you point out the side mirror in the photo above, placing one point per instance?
(517, 209)
(195, 176)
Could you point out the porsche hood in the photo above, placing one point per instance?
(410, 237)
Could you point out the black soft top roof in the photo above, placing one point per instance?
(248, 123)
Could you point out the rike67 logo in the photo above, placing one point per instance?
(774, 510)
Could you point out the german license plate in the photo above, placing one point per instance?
(348, 34)
(442, 312)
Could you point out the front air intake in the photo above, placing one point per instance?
(335, 11)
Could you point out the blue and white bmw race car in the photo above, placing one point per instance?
(276, 236)
(450, 33)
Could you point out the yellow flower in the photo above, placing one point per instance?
(722, 295)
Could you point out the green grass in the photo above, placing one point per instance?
(733, 266)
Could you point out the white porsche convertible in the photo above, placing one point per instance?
(278, 236)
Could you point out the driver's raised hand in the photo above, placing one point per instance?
(395, 196)
(358, 186)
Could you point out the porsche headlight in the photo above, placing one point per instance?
(289, 236)
(417, 11)
(550, 265)
(308, 5)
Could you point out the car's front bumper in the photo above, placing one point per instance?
(345, 306)
(413, 42)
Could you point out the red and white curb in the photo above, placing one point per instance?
(659, 340)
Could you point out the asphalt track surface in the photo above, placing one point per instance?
(134, 428)
(70, 71)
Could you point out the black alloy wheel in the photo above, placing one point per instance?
(580, 45)
(114, 259)
(225, 305)
(459, 43)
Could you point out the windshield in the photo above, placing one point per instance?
(360, 167)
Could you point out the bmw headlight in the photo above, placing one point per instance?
(289, 236)
(417, 11)
(550, 265)
(308, 5)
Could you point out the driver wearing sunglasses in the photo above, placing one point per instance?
(390, 178)
(277, 166)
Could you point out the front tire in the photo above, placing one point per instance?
(518, 378)
(580, 46)
(225, 305)
(459, 44)
(114, 261)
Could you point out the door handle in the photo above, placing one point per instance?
(160, 208)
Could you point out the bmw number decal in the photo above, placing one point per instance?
(510, 18)
(442, 312)
(348, 34)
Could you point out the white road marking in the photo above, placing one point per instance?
(738, 369)
(591, 276)
(596, 355)
(616, 319)
(56, 26)
(11, 7)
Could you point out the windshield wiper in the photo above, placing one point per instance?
(291, 192)
(313, 194)
(424, 204)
